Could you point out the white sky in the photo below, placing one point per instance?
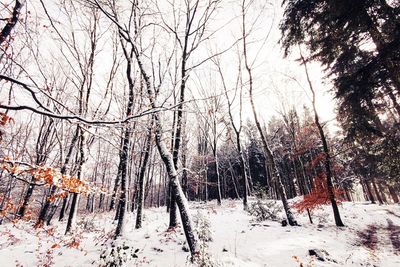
(272, 87)
(273, 90)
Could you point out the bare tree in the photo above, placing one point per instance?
(327, 158)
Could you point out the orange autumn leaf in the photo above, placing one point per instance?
(74, 244)
(318, 196)
(4, 119)
(55, 245)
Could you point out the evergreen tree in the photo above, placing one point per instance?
(357, 41)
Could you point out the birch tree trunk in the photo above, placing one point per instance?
(271, 160)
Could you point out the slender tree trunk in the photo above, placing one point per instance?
(369, 191)
(382, 193)
(184, 175)
(63, 209)
(309, 215)
(11, 22)
(27, 197)
(75, 196)
(393, 194)
(63, 172)
(377, 194)
(243, 170)
(271, 160)
(327, 162)
(126, 142)
(172, 210)
(167, 158)
(141, 178)
(267, 150)
(218, 175)
(117, 183)
(233, 179)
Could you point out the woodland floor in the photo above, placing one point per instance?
(371, 238)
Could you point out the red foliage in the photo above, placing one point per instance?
(42, 175)
(74, 244)
(306, 138)
(316, 160)
(50, 176)
(4, 119)
(318, 196)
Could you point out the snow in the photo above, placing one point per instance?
(237, 240)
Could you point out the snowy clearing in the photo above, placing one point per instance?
(369, 239)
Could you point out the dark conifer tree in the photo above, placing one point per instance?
(357, 41)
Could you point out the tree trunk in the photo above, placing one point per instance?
(378, 196)
(63, 209)
(233, 179)
(141, 178)
(27, 197)
(369, 191)
(218, 176)
(382, 193)
(393, 194)
(75, 196)
(53, 190)
(167, 158)
(243, 170)
(11, 22)
(126, 141)
(327, 163)
(116, 186)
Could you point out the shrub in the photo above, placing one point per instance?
(117, 255)
(203, 230)
(262, 211)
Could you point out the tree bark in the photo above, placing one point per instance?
(327, 160)
(167, 158)
(11, 22)
(393, 194)
(378, 195)
(274, 168)
(75, 196)
(141, 178)
(53, 190)
(369, 191)
(126, 141)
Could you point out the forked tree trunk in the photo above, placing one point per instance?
(126, 141)
(53, 190)
(146, 156)
(167, 158)
(75, 196)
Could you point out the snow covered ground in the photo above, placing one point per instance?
(369, 239)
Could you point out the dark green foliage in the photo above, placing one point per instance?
(357, 41)
(358, 44)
